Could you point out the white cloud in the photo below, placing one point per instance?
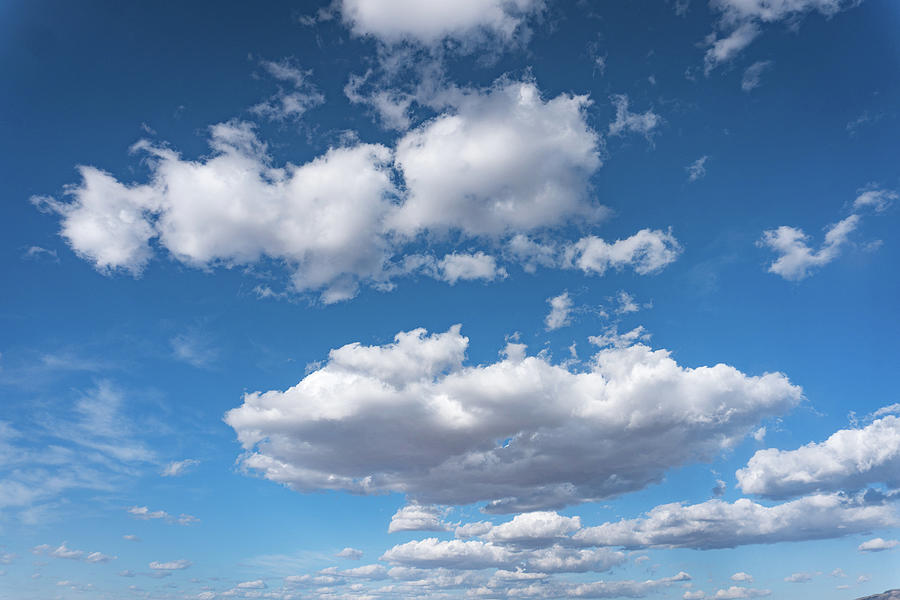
(736, 592)
(878, 199)
(457, 266)
(719, 524)
(179, 467)
(393, 21)
(626, 303)
(533, 528)
(796, 259)
(194, 348)
(644, 123)
(256, 584)
(415, 517)
(503, 160)
(742, 20)
(801, 577)
(175, 565)
(697, 169)
(753, 75)
(131, 537)
(291, 103)
(647, 251)
(143, 513)
(414, 419)
(849, 459)
(351, 553)
(877, 545)
(560, 312)
(742, 577)
(63, 551)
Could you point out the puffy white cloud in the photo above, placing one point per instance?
(175, 565)
(742, 577)
(644, 123)
(504, 160)
(647, 251)
(697, 169)
(144, 513)
(523, 433)
(460, 266)
(351, 553)
(560, 312)
(179, 467)
(452, 554)
(796, 259)
(533, 528)
(415, 517)
(719, 524)
(393, 21)
(63, 551)
(877, 545)
(849, 459)
(753, 75)
(256, 584)
(736, 593)
(723, 49)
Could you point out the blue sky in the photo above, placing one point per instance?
(381, 299)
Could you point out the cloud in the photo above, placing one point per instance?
(410, 417)
(877, 545)
(534, 528)
(351, 553)
(194, 348)
(39, 253)
(289, 103)
(647, 251)
(415, 517)
(145, 514)
(742, 22)
(428, 23)
(560, 312)
(175, 565)
(878, 199)
(256, 584)
(799, 577)
(494, 163)
(849, 459)
(697, 169)
(179, 467)
(501, 160)
(455, 267)
(719, 524)
(736, 592)
(644, 123)
(796, 259)
(753, 74)
(742, 577)
(63, 551)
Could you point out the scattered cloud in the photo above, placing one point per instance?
(179, 467)
(560, 312)
(175, 565)
(295, 100)
(753, 75)
(877, 545)
(797, 259)
(645, 123)
(697, 169)
(145, 514)
(351, 553)
(415, 517)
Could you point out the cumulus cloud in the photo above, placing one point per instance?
(644, 123)
(877, 545)
(495, 163)
(647, 251)
(144, 513)
(459, 266)
(466, 21)
(524, 433)
(63, 551)
(875, 198)
(560, 312)
(719, 524)
(742, 577)
(801, 577)
(351, 553)
(849, 459)
(737, 592)
(415, 517)
(753, 75)
(502, 160)
(796, 258)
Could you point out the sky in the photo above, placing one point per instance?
(477, 299)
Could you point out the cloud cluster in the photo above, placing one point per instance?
(63, 551)
(797, 260)
(521, 433)
(494, 164)
(848, 460)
